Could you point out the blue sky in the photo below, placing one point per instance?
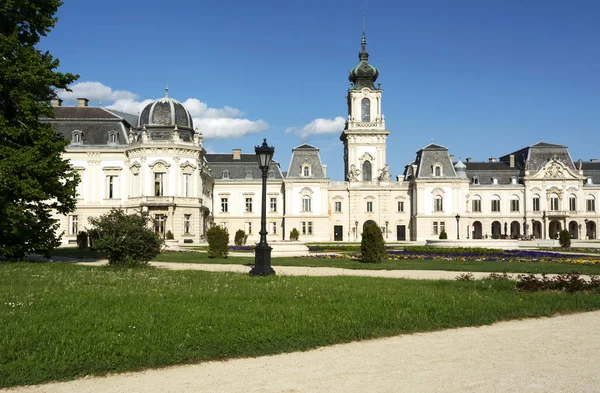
(482, 78)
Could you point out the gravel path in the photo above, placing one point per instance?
(559, 354)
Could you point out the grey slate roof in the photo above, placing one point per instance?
(95, 123)
(591, 169)
(128, 117)
(305, 154)
(485, 171)
(431, 155)
(246, 168)
(537, 155)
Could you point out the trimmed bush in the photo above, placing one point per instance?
(169, 235)
(218, 241)
(82, 239)
(294, 234)
(125, 239)
(372, 246)
(564, 237)
(443, 235)
(240, 237)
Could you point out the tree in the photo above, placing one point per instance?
(294, 234)
(35, 181)
(125, 239)
(372, 246)
(443, 235)
(218, 242)
(564, 238)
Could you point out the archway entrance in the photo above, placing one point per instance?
(515, 230)
(590, 230)
(496, 230)
(537, 229)
(477, 232)
(554, 228)
(574, 230)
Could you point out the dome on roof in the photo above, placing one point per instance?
(364, 74)
(166, 112)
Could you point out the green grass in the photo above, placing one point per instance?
(452, 265)
(62, 321)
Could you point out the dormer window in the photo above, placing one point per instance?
(475, 179)
(589, 181)
(437, 170)
(225, 174)
(113, 137)
(248, 174)
(306, 170)
(76, 137)
(494, 180)
(513, 180)
(271, 174)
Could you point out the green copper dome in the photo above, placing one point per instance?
(364, 74)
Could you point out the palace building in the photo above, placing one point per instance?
(156, 162)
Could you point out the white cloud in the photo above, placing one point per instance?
(95, 91)
(319, 126)
(213, 123)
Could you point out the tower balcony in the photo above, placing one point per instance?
(361, 125)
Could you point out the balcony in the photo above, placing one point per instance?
(164, 201)
(558, 213)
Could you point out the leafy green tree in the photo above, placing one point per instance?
(372, 246)
(218, 242)
(35, 181)
(126, 239)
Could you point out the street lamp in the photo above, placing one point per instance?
(587, 230)
(386, 229)
(458, 227)
(262, 252)
(356, 226)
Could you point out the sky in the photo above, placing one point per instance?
(483, 78)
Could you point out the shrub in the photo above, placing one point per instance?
(240, 237)
(125, 239)
(372, 246)
(443, 235)
(218, 241)
(169, 235)
(564, 237)
(294, 234)
(82, 239)
(569, 282)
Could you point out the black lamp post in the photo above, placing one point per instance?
(356, 226)
(386, 229)
(587, 230)
(262, 252)
(458, 227)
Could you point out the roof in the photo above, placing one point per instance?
(84, 112)
(224, 168)
(430, 157)
(305, 155)
(94, 123)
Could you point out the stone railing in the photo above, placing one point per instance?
(353, 125)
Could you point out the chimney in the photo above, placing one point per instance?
(492, 159)
(451, 157)
(81, 102)
(593, 160)
(56, 102)
(511, 160)
(324, 170)
(468, 159)
(237, 154)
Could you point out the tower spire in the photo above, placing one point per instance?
(167, 90)
(363, 41)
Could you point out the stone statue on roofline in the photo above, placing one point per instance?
(354, 173)
(384, 174)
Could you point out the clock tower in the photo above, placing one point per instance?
(364, 136)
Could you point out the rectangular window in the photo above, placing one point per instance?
(438, 205)
(224, 205)
(159, 184)
(477, 205)
(273, 204)
(369, 206)
(590, 205)
(306, 204)
(73, 225)
(186, 184)
(495, 205)
(248, 205)
(436, 228)
(136, 185)
(338, 207)
(554, 204)
(303, 226)
(514, 205)
(536, 204)
(249, 228)
(309, 227)
(187, 224)
(401, 206)
(572, 204)
(442, 226)
(159, 224)
(111, 186)
(224, 225)
(273, 228)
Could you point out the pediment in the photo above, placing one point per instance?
(556, 169)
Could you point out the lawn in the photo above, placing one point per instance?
(452, 265)
(62, 321)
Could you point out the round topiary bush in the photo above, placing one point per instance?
(294, 234)
(218, 241)
(240, 237)
(564, 237)
(372, 246)
(443, 235)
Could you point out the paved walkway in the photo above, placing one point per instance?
(559, 354)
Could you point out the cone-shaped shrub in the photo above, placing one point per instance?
(564, 237)
(372, 246)
(218, 242)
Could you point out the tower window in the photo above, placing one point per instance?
(367, 171)
(365, 109)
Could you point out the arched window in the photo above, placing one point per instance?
(554, 202)
(225, 174)
(438, 171)
(590, 203)
(306, 203)
(365, 110)
(366, 169)
(572, 203)
(495, 203)
(438, 203)
(536, 203)
(306, 170)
